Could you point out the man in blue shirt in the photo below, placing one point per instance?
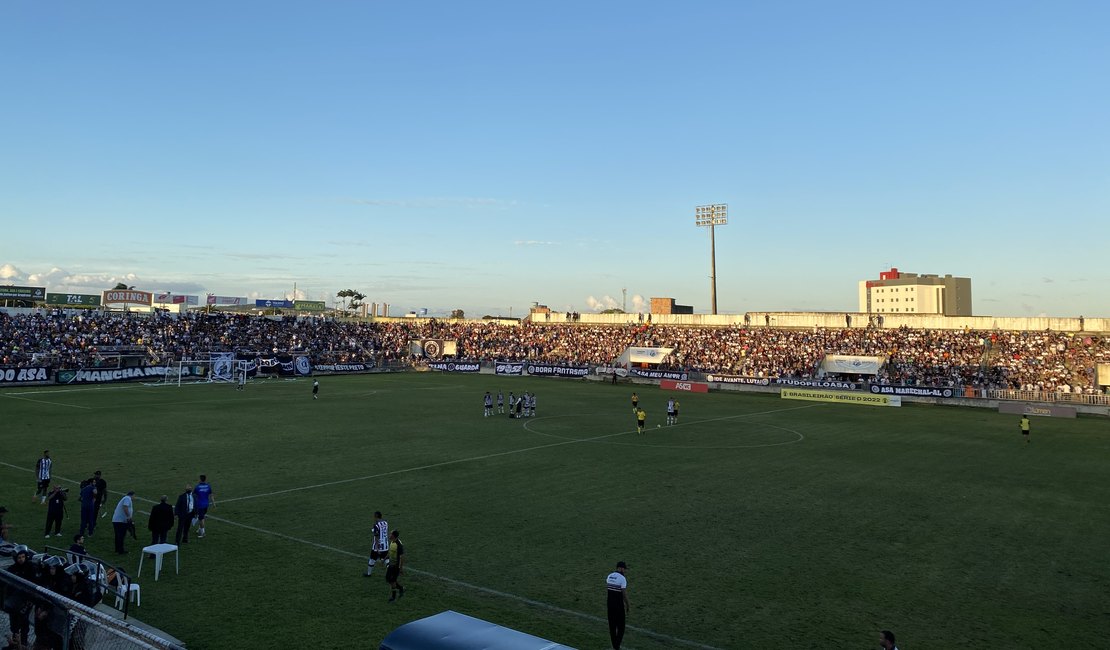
(88, 506)
(205, 499)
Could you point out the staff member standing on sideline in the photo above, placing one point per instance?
(616, 589)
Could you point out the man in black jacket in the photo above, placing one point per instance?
(161, 521)
(184, 511)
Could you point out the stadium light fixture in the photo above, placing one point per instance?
(710, 216)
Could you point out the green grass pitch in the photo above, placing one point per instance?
(755, 523)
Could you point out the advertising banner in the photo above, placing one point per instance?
(659, 374)
(273, 304)
(1043, 410)
(10, 292)
(648, 355)
(552, 370)
(1104, 374)
(226, 300)
(455, 366)
(841, 397)
(10, 376)
(126, 297)
(73, 299)
(688, 386)
(818, 383)
(174, 299)
(912, 391)
(738, 379)
(609, 370)
(308, 305)
(509, 368)
(337, 368)
(851, 364)
(96, 376)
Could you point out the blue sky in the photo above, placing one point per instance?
(485, 155)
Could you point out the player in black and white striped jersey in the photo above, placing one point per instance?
(379, 546)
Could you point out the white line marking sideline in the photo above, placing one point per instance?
(452, 581)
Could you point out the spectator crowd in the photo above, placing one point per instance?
(1041, 360)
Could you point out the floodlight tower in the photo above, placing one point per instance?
(712, 215)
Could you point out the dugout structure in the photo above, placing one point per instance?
(71, 625)
(451, 630)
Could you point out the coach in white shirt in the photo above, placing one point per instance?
(122, 520)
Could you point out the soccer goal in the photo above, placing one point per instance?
(193, 371)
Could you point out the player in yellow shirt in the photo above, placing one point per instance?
(396, 565)
(641, 417)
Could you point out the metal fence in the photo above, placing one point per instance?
(56, 622)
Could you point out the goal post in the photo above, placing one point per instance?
(192, 371)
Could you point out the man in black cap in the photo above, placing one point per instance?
(616, 589)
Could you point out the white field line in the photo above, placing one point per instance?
(458, 583)
(495, 455)
(42, 401)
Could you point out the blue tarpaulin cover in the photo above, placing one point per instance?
(451, 630)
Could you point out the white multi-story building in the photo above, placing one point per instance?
(909, 293)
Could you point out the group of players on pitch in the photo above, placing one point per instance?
(519, 407)
(641, 414)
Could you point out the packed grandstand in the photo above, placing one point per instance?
(1023, 360)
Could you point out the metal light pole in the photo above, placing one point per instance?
(712, 215)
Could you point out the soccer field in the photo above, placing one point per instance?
(754, 523)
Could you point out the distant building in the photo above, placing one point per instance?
(909, 293)
(667, 306)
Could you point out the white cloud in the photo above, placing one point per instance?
(533, 242)
(637, 304)
(11, 273)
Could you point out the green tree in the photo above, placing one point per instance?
(457, 313)
(122, 287)
(352, 299)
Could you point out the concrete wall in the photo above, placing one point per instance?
(838, 320)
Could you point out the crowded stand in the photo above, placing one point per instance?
(1025, 360)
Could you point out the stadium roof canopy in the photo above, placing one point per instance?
(451, 630)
